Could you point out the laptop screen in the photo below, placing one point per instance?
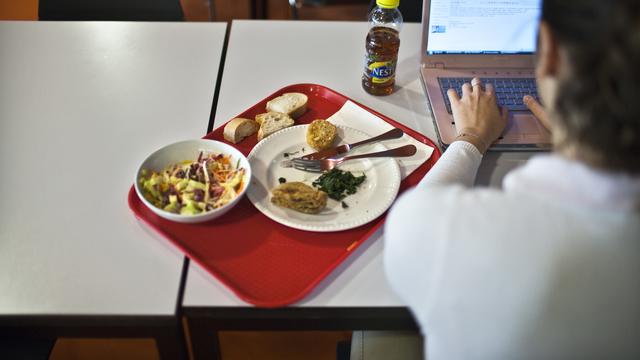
(483, 27)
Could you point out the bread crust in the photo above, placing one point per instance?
(292, 104)
(299, 111)
(239, 128)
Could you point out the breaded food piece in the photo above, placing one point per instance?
(321, 134)
(300, 197)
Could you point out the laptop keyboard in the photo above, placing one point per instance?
(509, 91)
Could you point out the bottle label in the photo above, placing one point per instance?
(381, 71)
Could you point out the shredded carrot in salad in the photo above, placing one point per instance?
(193, 187)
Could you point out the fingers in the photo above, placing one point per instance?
(533, 105)
(466, 89)
(453, 96)
(475, 89)
(476, 84)
(537, 109)
(489, 89)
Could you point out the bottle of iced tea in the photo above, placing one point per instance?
(381, 48)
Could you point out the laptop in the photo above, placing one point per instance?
(494, 41)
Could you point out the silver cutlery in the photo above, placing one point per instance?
(327, 153)
(321, 165)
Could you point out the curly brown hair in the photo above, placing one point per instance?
(598, 109)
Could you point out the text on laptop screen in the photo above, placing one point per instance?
(483, 27)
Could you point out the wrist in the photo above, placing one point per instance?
(473, 139)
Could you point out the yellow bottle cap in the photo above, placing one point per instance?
(388, 4)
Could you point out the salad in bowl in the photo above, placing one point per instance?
(193, 181)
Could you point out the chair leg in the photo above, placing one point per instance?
(26, 348)
(343, 350)
(294, 9)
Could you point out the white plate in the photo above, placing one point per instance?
(374, 195)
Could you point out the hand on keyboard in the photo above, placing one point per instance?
(477, 117)
(509, 91)
(538, 111)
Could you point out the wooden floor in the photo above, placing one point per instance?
(312, 345)
(234, 345)
(18, 9)
(198, 10)
(194, 10)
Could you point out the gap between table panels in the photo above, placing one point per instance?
(216, 92)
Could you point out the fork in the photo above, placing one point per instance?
(328, 164)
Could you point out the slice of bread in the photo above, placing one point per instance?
(271, 122)
(321, 134)
(260, 118)
(239, 128)
(292, 104)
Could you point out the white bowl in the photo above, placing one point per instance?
(188, 150)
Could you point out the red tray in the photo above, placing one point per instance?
(263, 262)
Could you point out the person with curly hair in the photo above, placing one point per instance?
(548, 267)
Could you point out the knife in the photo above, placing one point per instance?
(327, 153)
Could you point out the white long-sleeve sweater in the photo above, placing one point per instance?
(546, 268)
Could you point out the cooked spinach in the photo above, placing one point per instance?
(338, 184)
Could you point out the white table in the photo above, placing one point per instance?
(81, 105)
(261, 60)
(263, 56)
